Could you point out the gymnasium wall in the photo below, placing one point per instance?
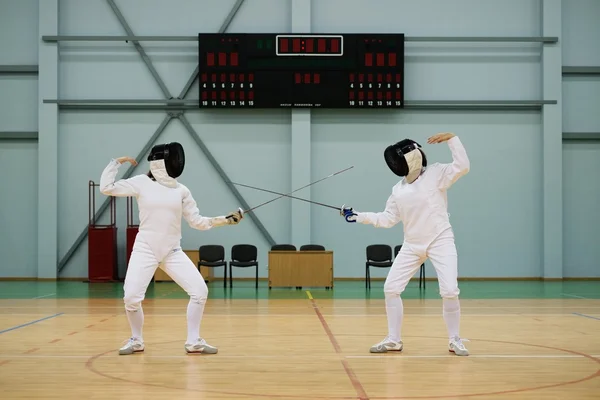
(18, 157)
(496, 210)
(581, 102)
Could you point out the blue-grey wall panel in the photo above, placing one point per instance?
(18, 103)
(18, 32)
(581, 194)
(252, 147)
(18, 211)
(115, 70)
(581, 102)
(450, 71)
(485, 224)
(495, 209)
(580, 32)
(257, 156)
(429, 17)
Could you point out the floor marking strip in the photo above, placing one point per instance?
(586, 316)
(360, 390)
(30, 323)
(305, 356)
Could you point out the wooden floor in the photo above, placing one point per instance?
(300, 349)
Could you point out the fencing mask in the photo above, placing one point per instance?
(405, 158)
(167, 162)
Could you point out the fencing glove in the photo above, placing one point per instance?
(235, 217)
(348, 213)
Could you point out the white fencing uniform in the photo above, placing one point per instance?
(162, 203)
(422, 207)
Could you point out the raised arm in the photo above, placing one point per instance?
(120, 188)
(449, 173)
(192, 215)
(384, 219)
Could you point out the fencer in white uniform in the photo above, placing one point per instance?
(162, 201)
(419, 200)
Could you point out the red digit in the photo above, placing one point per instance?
(321, 45)
(392, 59)
(335, 46)
(283, 45)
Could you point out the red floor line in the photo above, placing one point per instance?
(55, 340)
(4, 362)
(89, 326)
(360, 390)
(72, 333)
(31, 350)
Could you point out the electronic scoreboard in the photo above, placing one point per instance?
(301, 70)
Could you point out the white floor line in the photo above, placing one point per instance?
(308, 315)
(303, 356)
(532, 356)
(209, 306)
(46, 295)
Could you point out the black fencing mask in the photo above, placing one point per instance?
(173, 156)
(406, 159)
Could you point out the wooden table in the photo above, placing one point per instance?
(194, 255)
(301, 269)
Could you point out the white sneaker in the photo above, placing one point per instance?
(200, 346)
(457, 347)
(132, 345)
(386, 345)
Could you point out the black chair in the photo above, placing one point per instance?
(422, 270)
(283, 247)
(212, 256)
(243, 256)
(312, 247)
(380, 256)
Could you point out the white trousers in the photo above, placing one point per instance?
(141, 269)
(443, 256)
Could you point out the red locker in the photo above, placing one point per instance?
(102, 242)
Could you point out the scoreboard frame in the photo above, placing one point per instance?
(301, 70)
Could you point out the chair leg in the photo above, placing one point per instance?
(230, 276)
(256, 282)
(225, 276)
(368, 278)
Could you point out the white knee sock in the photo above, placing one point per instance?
(136, 322)
(452, 316)
(395, 311)
(194, 317)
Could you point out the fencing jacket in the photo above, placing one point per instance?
(422, 206)
(160, 209)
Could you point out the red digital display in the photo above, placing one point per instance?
(317, 45)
